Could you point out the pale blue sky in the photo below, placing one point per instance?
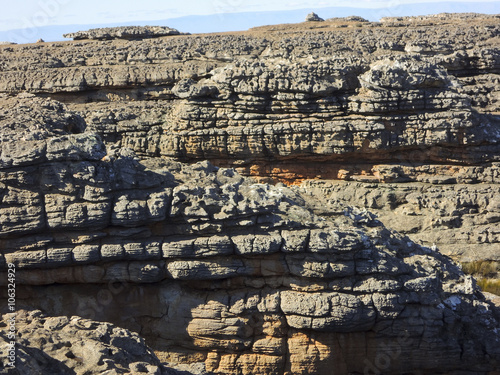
(28, 13)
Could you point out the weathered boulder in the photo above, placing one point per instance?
(313, 17)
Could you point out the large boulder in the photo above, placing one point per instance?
(313, 17)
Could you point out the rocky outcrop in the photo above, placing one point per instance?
(212, 267)
(441, 17)
(124, 32)
(125, 196)
(313, 17)
(460, 219)
(62, 345)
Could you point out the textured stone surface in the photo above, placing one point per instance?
(124, 197)
(391, 103)
(212, 267)
(63, 345)
(347, 19)
(461, 220)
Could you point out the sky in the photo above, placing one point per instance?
(35, 14)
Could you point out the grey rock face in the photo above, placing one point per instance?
(460, 219)
(447, 17)
(202, 260)
(347, 19)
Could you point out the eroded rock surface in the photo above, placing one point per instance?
(211, 267)
(460, 219)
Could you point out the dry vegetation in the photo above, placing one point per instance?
(487, 274)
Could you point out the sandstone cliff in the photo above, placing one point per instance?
(124, 195)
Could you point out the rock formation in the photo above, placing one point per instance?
(124, 32)
(62, 345)
(313, 17)
(125, 196)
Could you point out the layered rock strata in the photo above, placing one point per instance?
(461, 220)
(110, 210)
(402, 101)
(211, 267)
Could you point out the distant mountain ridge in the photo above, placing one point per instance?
(245, 20)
